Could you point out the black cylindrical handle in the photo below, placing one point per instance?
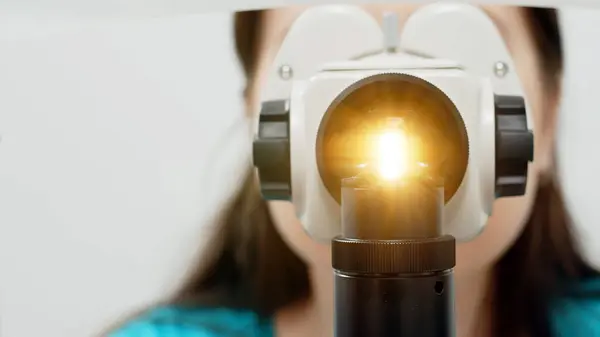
(394, 306)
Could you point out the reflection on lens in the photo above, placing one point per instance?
(391, 125)
(393, 153)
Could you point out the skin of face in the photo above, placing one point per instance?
(474, 258)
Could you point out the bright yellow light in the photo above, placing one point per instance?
(392, 154)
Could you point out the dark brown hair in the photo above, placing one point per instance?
(251, 267)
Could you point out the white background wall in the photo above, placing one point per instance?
(579, 136)
(106, 127)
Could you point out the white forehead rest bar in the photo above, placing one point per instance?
(141, 8)
(237, 5)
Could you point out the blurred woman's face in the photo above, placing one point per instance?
(509, 214)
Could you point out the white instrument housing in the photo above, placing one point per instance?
(455, 47)
(467, 211)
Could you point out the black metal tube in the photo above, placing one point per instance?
(398, 306)
(393, 268)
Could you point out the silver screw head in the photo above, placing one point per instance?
(286, 72)
(500, 69)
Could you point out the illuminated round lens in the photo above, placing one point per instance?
(392, 154)
(393, 125)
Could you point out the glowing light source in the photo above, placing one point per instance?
(392, 154)
(392, 127)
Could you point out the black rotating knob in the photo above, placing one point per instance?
(514, 146)
(271, 151)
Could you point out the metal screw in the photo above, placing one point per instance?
(500, 69)
(285, 72)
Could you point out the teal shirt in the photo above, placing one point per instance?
(571, 318)
(171, 322)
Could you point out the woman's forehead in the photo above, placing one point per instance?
(508, 19)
